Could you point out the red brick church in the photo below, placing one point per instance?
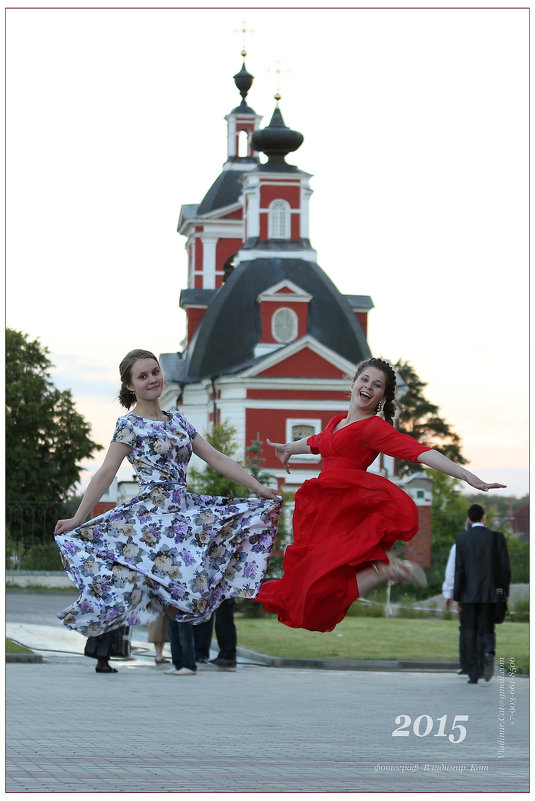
(270, 341)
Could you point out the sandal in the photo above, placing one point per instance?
(107, 669)
(400, 570)
(162, 661)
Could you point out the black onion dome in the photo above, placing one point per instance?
(276, 140)
(244, 81)
(231, 327)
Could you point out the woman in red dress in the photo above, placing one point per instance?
(346, 520)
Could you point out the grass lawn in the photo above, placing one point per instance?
(15, 648)
(377, 638)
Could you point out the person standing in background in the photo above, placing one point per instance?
(481, 567)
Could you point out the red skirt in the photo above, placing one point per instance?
(343, 521)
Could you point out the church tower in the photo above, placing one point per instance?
(214, 228)
(270, 340)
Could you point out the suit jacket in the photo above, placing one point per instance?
(481, 565)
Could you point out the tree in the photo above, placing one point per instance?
(420, 418)
(45, 435)
(208, 481)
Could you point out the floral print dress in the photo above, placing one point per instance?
(166, 546)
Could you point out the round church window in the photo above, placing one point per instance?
(284, 325)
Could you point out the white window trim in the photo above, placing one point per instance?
(284, 210)
(304, 421)
(295, 319)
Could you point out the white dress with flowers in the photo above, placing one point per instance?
(166, 546)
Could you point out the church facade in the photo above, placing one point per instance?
(271, 344)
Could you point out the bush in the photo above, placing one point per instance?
(40, 557)
(248, 608)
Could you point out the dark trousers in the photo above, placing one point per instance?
(99, 647)
(462, 643)
(478, 636)
(225, 632)
(203, 639)
(182, 643)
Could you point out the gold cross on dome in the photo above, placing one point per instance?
(278, 70)
(243, 30)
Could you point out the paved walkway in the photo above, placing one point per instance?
(257, 729)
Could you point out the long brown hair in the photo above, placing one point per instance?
(126, 397)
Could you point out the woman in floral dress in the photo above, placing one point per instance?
(166, 550)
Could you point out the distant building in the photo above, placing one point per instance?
(521, 522)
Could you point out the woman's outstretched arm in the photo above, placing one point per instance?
(441, 463)
(231, 469)
(97, 486)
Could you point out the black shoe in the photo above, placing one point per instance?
(223, 663)
(488, 670)
(462, 672)
(472, 681)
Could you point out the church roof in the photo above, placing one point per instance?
(231, 327)
(225, 191)
(359, 301)
(196, 297)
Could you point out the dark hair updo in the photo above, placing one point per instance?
(126, 396)
(389, 405)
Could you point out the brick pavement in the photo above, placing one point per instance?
(259, 729)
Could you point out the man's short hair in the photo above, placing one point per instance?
(476, 513)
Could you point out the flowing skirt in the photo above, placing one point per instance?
(343, 521)
(166, 547)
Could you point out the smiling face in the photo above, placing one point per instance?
(368, 389)
(146, 379)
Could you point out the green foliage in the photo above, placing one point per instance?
(421, 419)
(13, 647)
(499, 508)
(40, 556)
(519, 558)
(45, 435)
(208, 481)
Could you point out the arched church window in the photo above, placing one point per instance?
(284, 325)
(279, 220)
(243, 143)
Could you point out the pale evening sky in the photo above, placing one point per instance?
(416, 134)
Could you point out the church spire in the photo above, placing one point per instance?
(242, 121)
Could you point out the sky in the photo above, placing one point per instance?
(415, 125)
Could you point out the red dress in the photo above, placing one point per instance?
(343, 519)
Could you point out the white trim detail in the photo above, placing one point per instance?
(304, 421)
(279, 215)
(281, 354)
(274, 293)
(284, 324)
(307, 254)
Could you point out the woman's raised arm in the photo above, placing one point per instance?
(441, 463)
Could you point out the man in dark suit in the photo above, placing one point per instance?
(481, 566)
